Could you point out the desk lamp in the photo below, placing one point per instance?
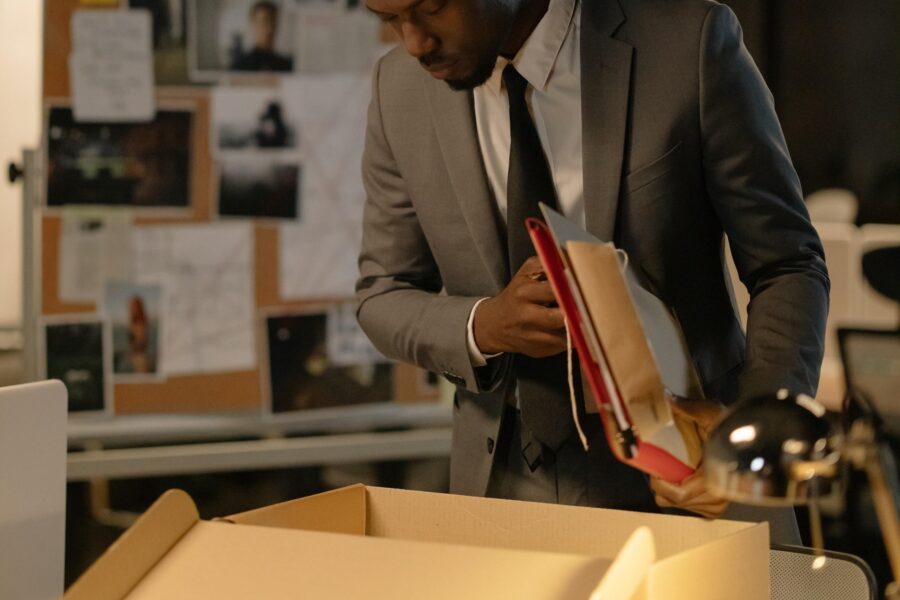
(782, 451)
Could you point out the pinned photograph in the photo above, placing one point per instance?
(169, 40)
(251, 119)
(76, 350)
(137, 165)
(240, 36)
(302, 374)
(259, 188)
(347, 344)
(134, 311)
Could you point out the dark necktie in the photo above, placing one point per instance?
(542, 383)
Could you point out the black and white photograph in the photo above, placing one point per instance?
(136, 165)
(240, 36)
(253, 119)
(303, 375)
(169, 40)
(76, 350)
(134, 311)
(263, 188)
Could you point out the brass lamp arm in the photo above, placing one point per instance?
(866, 452)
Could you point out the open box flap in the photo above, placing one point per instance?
(448, 518)
(626, 578)
(550, 551)
(741, 569)
(222, 561)
(339, 511)
(493, 522)
(134, 554)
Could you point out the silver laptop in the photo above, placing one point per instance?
(32, 490)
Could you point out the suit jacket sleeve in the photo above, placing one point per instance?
(401, 304)
(756, 193)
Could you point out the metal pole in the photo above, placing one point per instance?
(30, 257)
(886, 511)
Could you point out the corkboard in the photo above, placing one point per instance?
(195, 393)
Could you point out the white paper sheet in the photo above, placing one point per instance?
(316, 264)
(111, 65)
(94, 247)
(345, 341)
(207, 273)
(334, 40)
(318, 256)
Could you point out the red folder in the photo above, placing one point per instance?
(623, 438)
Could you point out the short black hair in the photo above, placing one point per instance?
(264, 5)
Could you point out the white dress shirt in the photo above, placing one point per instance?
(550, 61)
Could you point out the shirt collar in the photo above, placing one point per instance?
(537, 56)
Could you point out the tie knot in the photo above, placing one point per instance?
(515, 83)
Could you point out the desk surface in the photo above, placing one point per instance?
(261, 454)
(168, 429)
(157, 445)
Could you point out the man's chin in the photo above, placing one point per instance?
(474, 79)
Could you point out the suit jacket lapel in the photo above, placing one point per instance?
(454, 120)
(605, 90)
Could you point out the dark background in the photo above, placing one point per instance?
(834, 69)
(77, 349)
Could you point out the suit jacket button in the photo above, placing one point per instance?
(490, 445)
(454, 378)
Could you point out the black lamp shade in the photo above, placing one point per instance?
(774, 450)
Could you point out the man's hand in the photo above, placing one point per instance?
(692, 494)
(523, 318)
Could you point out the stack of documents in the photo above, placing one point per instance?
(632, 350)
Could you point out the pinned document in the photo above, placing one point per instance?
(207, 274)
(111, 66)
(94, 247)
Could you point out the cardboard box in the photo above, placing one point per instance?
(373, 542)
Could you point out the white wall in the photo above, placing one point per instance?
(20, 72)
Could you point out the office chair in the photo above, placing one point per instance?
(832, 205)
(877, 298)
(881, 267)
(842, 577)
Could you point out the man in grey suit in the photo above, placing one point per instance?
(644, 120)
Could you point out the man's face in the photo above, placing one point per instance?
(457, 41)
(263, 21)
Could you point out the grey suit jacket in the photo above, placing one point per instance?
(680, 145)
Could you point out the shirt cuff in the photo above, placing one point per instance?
(478, 359)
